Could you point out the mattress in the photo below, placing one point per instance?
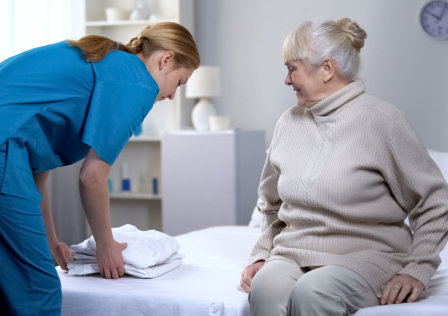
(208, 284)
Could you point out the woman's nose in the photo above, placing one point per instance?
(288, 81)
(171, 95)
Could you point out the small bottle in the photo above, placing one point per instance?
(125, 180)
(144, 184)
(110, 186)
(155, 186)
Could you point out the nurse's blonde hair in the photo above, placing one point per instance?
(166, 36)
(314, 43)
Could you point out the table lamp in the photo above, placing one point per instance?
(204, 83)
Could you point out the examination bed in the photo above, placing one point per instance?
(208, 281)
(208, 284)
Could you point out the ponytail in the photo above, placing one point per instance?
(96, 47)
(166, 36)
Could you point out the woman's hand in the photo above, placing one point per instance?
(61, 253)
(248, 274)
(400, 288)
(110, 260)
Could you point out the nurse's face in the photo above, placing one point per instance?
(167, 75)
(170, 80)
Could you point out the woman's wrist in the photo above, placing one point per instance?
(104, 240)
(53, 240)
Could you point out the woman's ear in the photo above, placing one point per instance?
(166, 59)
(328, 69)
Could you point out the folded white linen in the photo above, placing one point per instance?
(148, 254)
(84, 267)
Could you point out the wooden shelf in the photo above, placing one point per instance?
(128, 22)
(134, 196)
(144, 139)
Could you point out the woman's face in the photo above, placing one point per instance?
(162, 67)
(306, 81)
(169, 80)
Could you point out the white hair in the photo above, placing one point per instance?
(315, 42)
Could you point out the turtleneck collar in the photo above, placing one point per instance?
(338, 98)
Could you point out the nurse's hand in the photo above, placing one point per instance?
(61, 253)
(110, 259)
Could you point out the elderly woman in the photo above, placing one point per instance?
(343, 172)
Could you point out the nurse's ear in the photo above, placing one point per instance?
(166, 60)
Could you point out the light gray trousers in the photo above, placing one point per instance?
(282, 288)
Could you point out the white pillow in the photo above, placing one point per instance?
(255, 220)
(441, 160)
(444, 257)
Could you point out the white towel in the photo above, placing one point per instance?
(149, 254)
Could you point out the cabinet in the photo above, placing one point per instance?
(210, 178)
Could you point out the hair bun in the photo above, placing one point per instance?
(354, 32)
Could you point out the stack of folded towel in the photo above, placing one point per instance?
(149, 254)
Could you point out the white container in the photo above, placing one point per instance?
(219, 122)
(116, 14)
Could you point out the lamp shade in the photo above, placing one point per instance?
(205, 82)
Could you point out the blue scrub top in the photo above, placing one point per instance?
(54, 106)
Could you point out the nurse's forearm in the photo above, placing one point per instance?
(95, 201)
(61, 252)
(41, 182)
(95, 197)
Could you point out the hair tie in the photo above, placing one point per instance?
(118, 44)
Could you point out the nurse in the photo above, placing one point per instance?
(59, 104)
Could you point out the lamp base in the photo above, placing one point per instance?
(201, 111)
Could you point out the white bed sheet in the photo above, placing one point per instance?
(208, 284)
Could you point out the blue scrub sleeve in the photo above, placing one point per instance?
(116, 110)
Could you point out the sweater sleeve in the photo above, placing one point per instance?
(419, 187)
(268, 204)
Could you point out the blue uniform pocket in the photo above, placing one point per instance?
(15, 171)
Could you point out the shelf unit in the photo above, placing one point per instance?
(139, 206)
(142, 154)
(101, 23)
(142, 157)
(135, 196)
(168, 114)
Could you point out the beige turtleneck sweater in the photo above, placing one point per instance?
(340, 179)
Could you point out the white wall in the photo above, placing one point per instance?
(400, 63)
(26, 24)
